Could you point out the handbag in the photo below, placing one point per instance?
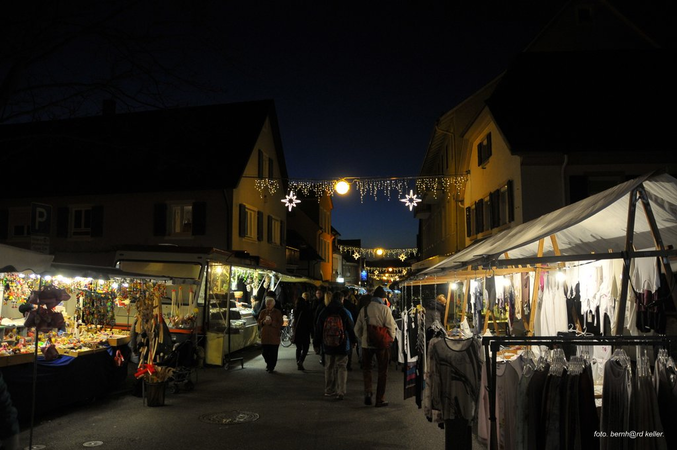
(49, 351)
(377, 336)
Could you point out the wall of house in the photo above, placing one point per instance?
(500, 168)
(326, 239)
(125, 221)
(269, 204)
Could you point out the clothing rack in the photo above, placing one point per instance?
(494, 343)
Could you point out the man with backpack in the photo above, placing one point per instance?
(334, 331)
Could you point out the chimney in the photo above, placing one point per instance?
(108, 107)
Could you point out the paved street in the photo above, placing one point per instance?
(283, 410)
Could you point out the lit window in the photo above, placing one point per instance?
(182, 219)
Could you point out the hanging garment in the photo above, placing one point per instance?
(616, 395)
(454, 379)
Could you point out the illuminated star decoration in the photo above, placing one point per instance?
(402, 257)
(410, 200)
(356, 255)
(290, 200)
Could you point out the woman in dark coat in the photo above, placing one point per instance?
(302, 328)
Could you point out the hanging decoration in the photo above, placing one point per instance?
(410, 200)
(368, 186)
(290, 201)
(377, 252)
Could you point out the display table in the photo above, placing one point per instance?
(217, 343)
(64, 381)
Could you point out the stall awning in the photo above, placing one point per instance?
(15, 259)
(595, 225)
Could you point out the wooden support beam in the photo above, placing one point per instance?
(534, 294)
(658, 242)
(629, 235)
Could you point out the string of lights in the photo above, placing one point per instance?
(359, 252)
(368, 186)
(372, 187)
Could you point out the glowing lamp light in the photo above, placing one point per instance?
(342, 187)
(340, 280)
(379, 252)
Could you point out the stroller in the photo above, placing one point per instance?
(184, 360)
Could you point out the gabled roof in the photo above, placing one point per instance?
(191, 148)
(601, 101)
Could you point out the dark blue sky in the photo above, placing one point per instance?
(358, 85)
(358, 89)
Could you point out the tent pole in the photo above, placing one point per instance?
(620, 316)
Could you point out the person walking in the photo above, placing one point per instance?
(379, 315)
(302, 329)
(270, 320)
(349, 304)
(335, 332)
(363, 301)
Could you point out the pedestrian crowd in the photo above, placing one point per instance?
(336, 324)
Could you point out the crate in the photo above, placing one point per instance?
(116, 341)
(80, 352)
(19, 358)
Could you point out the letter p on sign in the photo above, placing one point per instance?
(41, 219)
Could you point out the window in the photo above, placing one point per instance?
(81, 221)
(266, 167)
(274, 230)
(20, 223)
(251, 223)
(484, 151)
(493, 211)
(181, 219)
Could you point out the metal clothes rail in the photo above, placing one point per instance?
(494, 343)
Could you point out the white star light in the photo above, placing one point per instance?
(410, 200)
(356, 255)
(402, 257)
(290, 200)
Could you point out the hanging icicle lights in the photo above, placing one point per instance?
(372, 187)
(359, 252)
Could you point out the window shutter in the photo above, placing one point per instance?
(283, 233)
(511, 202)
(468, 221)
(271, 171)
(160, 219)
(97, 221)
(270, 229)
(260, 163)
(62, 221)
(199, 218)
(259, 225)
(479, 216)
(495, 208)
(243, 221)
(4, 224)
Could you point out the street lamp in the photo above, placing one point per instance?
(342, 187)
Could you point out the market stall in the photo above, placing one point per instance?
(591, 270)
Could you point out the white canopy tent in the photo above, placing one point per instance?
(599, 227)
(15, 259)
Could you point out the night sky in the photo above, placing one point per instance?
(358, 86)
(358, 89)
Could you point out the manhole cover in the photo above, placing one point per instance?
(92, 444)
(230, 417)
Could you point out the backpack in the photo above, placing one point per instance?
(333, 333)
